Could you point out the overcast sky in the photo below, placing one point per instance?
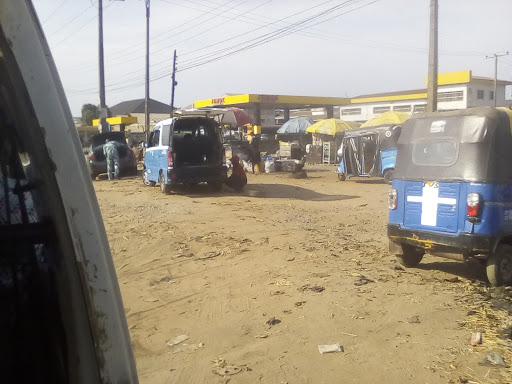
(339, 48)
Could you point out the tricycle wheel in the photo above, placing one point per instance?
(499, 266)
(145, 180)
(341, 177)
(388, 176)
(411, 256)
(165, 188)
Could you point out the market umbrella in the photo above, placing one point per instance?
(295, 125)
(331, 126)
(389, 117)
(235, 117)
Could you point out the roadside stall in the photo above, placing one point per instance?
(293, 138)
(327, 135)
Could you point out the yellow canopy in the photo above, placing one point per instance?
(331, 126)
(390, 117)
(116, 120)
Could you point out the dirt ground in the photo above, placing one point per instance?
(258, 283)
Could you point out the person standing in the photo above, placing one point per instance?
(112, 157)
(255, 154)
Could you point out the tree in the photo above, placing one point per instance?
(89, 113)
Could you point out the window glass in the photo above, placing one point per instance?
(402, 108)
(381, 109)
(166, 129)
(351, 111)
(439, 152)
(480, 94)
(451, 96)
(420, 108)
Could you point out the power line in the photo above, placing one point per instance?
(53, 12)
(298, 26)
(80, 27)
(65, 24)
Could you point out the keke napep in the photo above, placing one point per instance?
(452, 190)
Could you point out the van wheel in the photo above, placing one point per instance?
(165, 188)
(411, 256)
(145, 181)
(215, 186)
(388, 176)
(341, 177)
(499, 266)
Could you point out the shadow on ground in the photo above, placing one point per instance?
(472, 269)
(272, 191)
(370, 181)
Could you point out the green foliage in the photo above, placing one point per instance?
(89, 113)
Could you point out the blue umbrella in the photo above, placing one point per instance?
(295, 125)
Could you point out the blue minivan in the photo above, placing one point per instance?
(185, 149)
(369, 151)
(452, 190)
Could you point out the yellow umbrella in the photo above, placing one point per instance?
(389, 117)
(331, 126)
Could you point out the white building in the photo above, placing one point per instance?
(456, 90)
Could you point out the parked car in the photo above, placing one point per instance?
(186, 149)
(97, 161)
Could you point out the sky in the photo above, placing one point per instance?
(341, 48)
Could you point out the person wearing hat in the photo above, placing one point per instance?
(238, 179)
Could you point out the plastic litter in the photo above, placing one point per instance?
(330, 348)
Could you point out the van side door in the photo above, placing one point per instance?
(161, 151)
(151, 157)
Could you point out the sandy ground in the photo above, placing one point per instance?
(257, 283)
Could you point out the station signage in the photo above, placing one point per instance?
(218, 101)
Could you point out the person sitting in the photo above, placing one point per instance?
(238, 178)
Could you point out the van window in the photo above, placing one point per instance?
(166, 129)
(192, 130)
(441, 152)
(154, 139)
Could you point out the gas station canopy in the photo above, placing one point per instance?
(274, 101)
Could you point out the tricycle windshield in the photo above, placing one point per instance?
(435, 152)
(472, 145)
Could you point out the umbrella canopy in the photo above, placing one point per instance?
(235, 117)
(295, 125)
(389, 117)
(331, 126)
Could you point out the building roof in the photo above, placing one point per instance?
(397, 93)
(138, 106)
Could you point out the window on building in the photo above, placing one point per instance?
(350, 111)
(420, 108)
(402, 108)
(491, 95)
(381, 109)
(480, 94)
(451, 96)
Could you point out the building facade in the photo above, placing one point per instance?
(456, 90)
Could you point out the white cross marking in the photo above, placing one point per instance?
(429, 203)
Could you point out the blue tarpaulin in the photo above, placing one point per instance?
(295, 125)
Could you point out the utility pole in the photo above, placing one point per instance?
(495, 57)
(146, 104)
(432, 59)
(103, 107)
(174, 82)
